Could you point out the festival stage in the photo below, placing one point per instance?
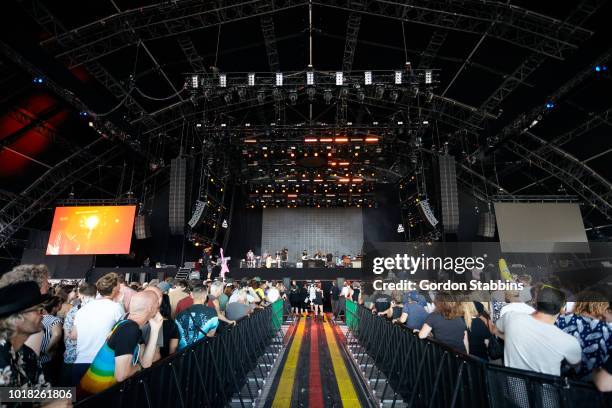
(297, 273)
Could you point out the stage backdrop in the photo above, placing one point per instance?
(335, 230)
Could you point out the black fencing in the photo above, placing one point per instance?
(206, 374)
(425, 373)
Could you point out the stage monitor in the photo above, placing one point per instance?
(540, 227)
(91, 230)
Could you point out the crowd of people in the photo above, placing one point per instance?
(538, 329)
(91, 336)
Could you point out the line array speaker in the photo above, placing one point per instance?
(427, 213)
(196, 217)
(448, 193)
(486, 227)
(176, 208)
(142, 227)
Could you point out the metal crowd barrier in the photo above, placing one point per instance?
(426, 373)
(206, 374)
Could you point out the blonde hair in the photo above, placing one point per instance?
(469, 311)
(585, 306)
(26, 273)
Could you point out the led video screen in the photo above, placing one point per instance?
(91, 230)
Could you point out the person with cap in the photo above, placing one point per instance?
(21, 309)
(414, 313)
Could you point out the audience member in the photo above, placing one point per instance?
(180, 291)
(533, 342)
(105, 312)
(28, 273)
(514, 304)
(86, 293)
(447, 323)
(602, 377)
(21, 308)
(197, 321)
(121, 356)
(169, 330)
(52, 336)
(239, 309)
(273, 294)
(587, 324)
(479, 334)
(334, 295)
(413, 313)
(215, 291)
(125, 292)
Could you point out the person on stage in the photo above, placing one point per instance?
(250, 256)
(318, 302)
(207, 261)
(304, 255)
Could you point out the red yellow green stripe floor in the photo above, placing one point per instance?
(314, 373)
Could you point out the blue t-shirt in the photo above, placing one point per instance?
(194, 323)
(416, 315)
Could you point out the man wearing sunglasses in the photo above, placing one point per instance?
(20, 317)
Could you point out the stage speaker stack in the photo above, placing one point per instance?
(448, 194)
(196, 217)
(142, 227)
(176, 218)
(486, 227)
(427, 213)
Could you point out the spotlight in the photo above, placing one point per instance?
(398, 77)
(222, 80)
(38, 80)
(394, 95)
(83, 114)
(261, 97)
(550, 105)
(311, 92)
(293, 97)
(428, 76)
(380, 91)
(367, 76)
(279, 79)
(327, 96)
(242, 93)
(310, 78)
(194, 81)
(339, 78)
(251, 79)
(360, 96)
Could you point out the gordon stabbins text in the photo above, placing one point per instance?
(473, 285)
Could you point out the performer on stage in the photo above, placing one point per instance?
(304, 255)
(224, 267)
(207, 261)
(250, 256)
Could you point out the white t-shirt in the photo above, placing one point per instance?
(273, 295)
(530, 344)
(344, 292)
(312, 293)
(516, 307)
(94, 322)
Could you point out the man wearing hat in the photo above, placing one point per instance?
(20, 316)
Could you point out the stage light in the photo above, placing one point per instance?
(367, 77)
(222, 80)
(311, 92)
(428, 76)
(341, 140)
(293, 97)
(261, 97)
(360, 96)
(83, 114)
(38, 80)
(327, 96)
(310, 140)
(597, 68)
(279, 79)
(250, 141)
(326, 140)
(194, 81)
(251, 79)
(398, 77)
(242, 94)
(91, 124)
(198, 125)
(550, 105)
(339, 78)
(309, 77)
(371, 139)
(380, 91)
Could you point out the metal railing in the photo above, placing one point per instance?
(205, 374)
(426, 373)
